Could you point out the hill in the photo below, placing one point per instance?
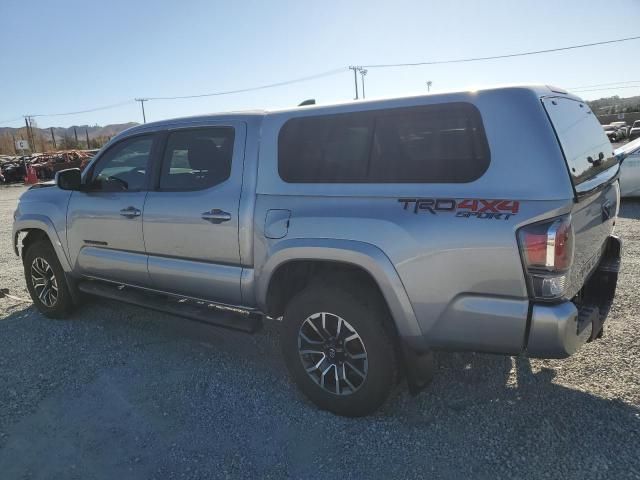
(64, 137)
(615, 105)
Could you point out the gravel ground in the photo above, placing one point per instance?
(120, 392)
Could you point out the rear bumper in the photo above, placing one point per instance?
(559, 330)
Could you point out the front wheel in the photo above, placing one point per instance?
(337, 350)
(45, 280)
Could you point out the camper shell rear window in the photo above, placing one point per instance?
(586, 148)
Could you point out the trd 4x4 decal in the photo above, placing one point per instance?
(467, 208)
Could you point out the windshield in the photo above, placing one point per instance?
(586, 148)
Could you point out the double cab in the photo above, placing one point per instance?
(376, 232)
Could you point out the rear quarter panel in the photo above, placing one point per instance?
(440, 257)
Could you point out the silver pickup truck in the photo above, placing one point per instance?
(377, 231)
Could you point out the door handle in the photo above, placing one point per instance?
(130, 212)
(216, 216)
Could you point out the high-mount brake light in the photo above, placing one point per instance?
(547, 253)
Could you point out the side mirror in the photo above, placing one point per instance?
(69, 179)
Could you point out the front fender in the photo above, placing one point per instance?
(361, 254)
(35, 221)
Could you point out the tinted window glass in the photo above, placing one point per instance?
(586, 147)
(430, 144)
(195, 159)
(124, 166)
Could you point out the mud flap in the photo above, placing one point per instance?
(600, 289)
(72, 284)
(419, 368)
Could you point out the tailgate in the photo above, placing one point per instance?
(593, 169)
(592, 219)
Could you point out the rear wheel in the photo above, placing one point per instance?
(338, 351)
(46, 281)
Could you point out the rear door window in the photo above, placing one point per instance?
(427, 144)
(198, 158)
(586, 148)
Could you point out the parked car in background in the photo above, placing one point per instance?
(612, 133)
(622, 126)
(629, 156)
(635, 130)
(12, 169)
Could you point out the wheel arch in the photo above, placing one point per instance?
(348, 257)
(36, 227)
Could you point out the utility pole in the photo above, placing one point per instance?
(355, 78)
(75, 133)
(53, 139)
(86, 132)
(27, 122)
(429, 83)
(33, 135)
(363, 72)
(142, 100)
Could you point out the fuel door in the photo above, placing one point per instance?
(276, 224)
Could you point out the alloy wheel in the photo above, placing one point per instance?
(333, 353)
(44, 282)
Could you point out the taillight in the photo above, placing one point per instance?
(547, 255)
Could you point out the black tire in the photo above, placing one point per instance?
(377, 343)
(63, 303)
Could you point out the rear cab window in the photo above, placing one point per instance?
(586, 148)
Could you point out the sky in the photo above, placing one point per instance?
(66, 56)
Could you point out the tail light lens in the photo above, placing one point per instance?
(547, 254)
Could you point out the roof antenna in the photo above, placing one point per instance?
(311, 101)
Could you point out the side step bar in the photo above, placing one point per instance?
(204, 313)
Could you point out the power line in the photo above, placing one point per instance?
(343, 69)
(250, 89)
(106, 107)
(12, 120)
(606, 88)
(495, 57)
(260, 87)
(604, 84)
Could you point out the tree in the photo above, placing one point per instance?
(68, 143)
(6, 144)
(98, 142)
(40, 142)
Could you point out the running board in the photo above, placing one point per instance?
(198, 311)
